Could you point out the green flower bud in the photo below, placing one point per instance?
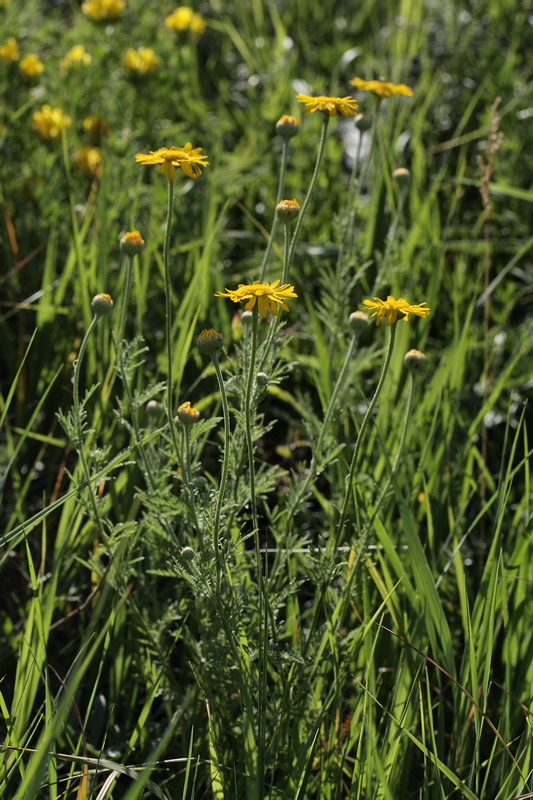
(101, 305)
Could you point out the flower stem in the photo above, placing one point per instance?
(275, 322)
(364, 424)
(125, 300)
(248, 423)
(225, 467)
(168, 305)
(281, 186)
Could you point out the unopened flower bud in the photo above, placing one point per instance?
(402, 176)
(287, 210)
(358, 322)
(363, 123)
(247, 317)
(153, 409)
(414, 360)
(101, 305)
(262, 378)
(287, 126)
(132, 243)
(209, 342)
(187, 553)
(187, 414)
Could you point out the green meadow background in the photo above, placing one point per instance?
(397, 663)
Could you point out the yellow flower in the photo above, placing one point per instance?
(266, 295)
(390, 308)
(9, 51)
(77, 55)
(132, 243)
(287, 126)
(101, 10)
(87, 159)
(381, 88)
(96, 128)
(287, 210)
(49, 122)
(186, 157)
(187, 414)
(186, 21)
(140, 61)
(31, 66)
(345, 105)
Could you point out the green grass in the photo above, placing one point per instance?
(370, 638)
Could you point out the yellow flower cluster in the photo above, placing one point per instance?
(140, 61)
(87, 159)
(49, 122)
(76, 56)
(186, 22)
(31, 66)
(381, 88)
(103, 10)
(187, 158)
(9, 51)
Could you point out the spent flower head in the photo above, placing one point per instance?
(390, 308)
(287, 126)
(31, 66)
(76, 56)
(101, 305)
(329, 105)
(186, 157)
(187, 414)
(209, 342)
(49, 122)
(381, 88)
(103, 10)
(132, 243)
(268, 296)
(186, 23)
(141, 61)
(9, 51)
(287, 210)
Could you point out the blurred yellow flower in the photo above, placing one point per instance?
(9, 51)
(102, 10)
(77, 55)
(31, 66)
(186, 21)
(390, 308)
(381, 88)
(96, 128)
(140, 61)
(266, 295)
(169, 158)
(87, 159)
(344, 105)
(49, 122)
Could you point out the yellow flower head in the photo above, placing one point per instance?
(287, 210)
(87, 159)
(390, 308)
(103, 10)
(186, 22)
(31, 66)
(9, 51)
(330, 105)
(267, 296)
(186, 157)
(49, 122)
(96, 128)
(140, 61)
(132, 243)
(76, 56)
(381, 88)
(188, 414)
(287, 126)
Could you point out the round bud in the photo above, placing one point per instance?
(287, 210)
(132, 243)
(363, 123)
(262, 378)
(358, 322)
(402, 176)
(153, 409)
(247, 317)
(414, 360)
(101, 305)
(187, 553)
(209, 342)
(287, 126)
(187, 414)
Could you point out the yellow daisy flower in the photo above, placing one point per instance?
(49, 122)
(31, 66)
(390, 308)
(186, 157)
(267, 296)
(140, 61)
(381, 88)
(9, 51)
(76, 55)
(102, 10)
(186, 21)
(87, 159)
(344, 105)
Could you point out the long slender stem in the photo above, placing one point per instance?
(281, 186)
(274, 325)
(168, 304)
(364, 424)
(225, 467)
(248, 420)
(125, 300)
